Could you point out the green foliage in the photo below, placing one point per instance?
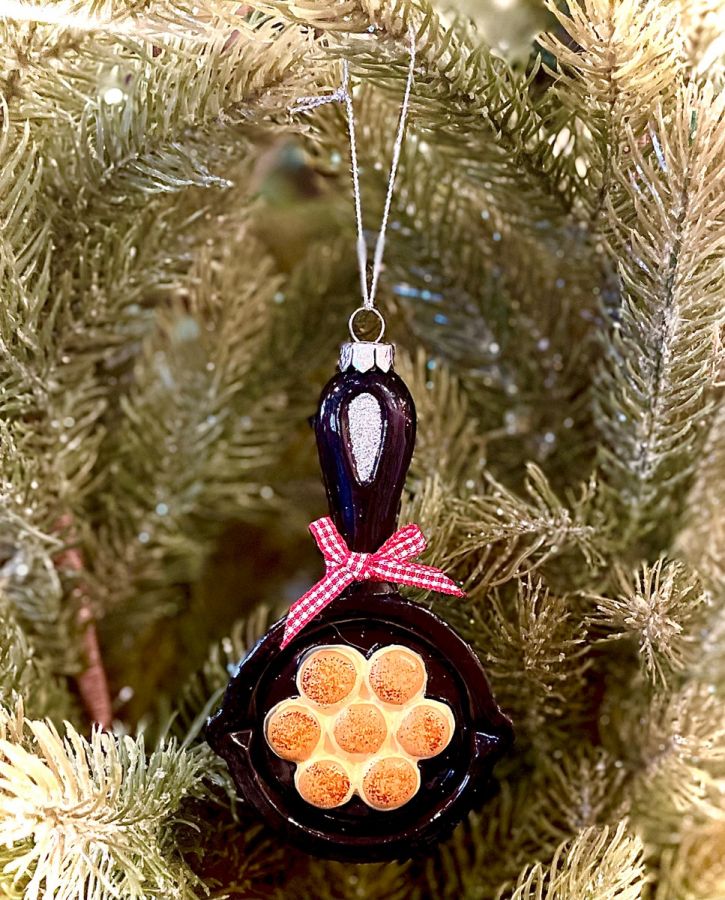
(508, 535)
(663, 608)
(533, 646)
(176, 267)
(447, 440)
(694, 871)
(33, 585)
(600, 863)
(655, 393)
(24, 263)
(201, 694)
(675, 755)
(702, 536)
(614, 61)
(532, 815)
(334, 881)
(190, 400)
(25, 675)
(472, 104)
(109, 806)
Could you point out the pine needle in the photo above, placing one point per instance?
(663, 607)
(600, 864)
(534, 651)
(501, 535)
(662, 352)
(91, 818)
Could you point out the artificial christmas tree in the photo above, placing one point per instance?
(177, 265)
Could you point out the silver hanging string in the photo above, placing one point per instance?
(344, 95)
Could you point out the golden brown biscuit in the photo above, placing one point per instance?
(389, 783)
(327, 676)
(425, 731)
(293, 733)
(397, 675)
(360, 728)
(324, 784)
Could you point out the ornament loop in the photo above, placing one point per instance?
(376, 313)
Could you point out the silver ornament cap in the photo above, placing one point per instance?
(366, 355)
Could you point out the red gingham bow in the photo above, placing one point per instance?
(389, 563)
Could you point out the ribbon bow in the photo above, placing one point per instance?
(389, 563)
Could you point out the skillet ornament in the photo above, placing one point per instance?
(361, 726)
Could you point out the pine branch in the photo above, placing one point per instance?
(184, 715)
(662, 353)
(701, 540)
(600, 864)
(186, 449)
(165, 108)
(695, 869)
(25, 252)
(428, 502)
(709, 665)
(34, 589)
(234, 859)
(25, 676)
(534, 812)
(129, 113)
(466, 101)
(108, 806)
(335, 881)
(190, 439)
(313, 306)
(486, 850)
(662, 607)
(616, 61)
(673, 749)
(500, 535)
(701, 28)
(581, 788)
(534, 650)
